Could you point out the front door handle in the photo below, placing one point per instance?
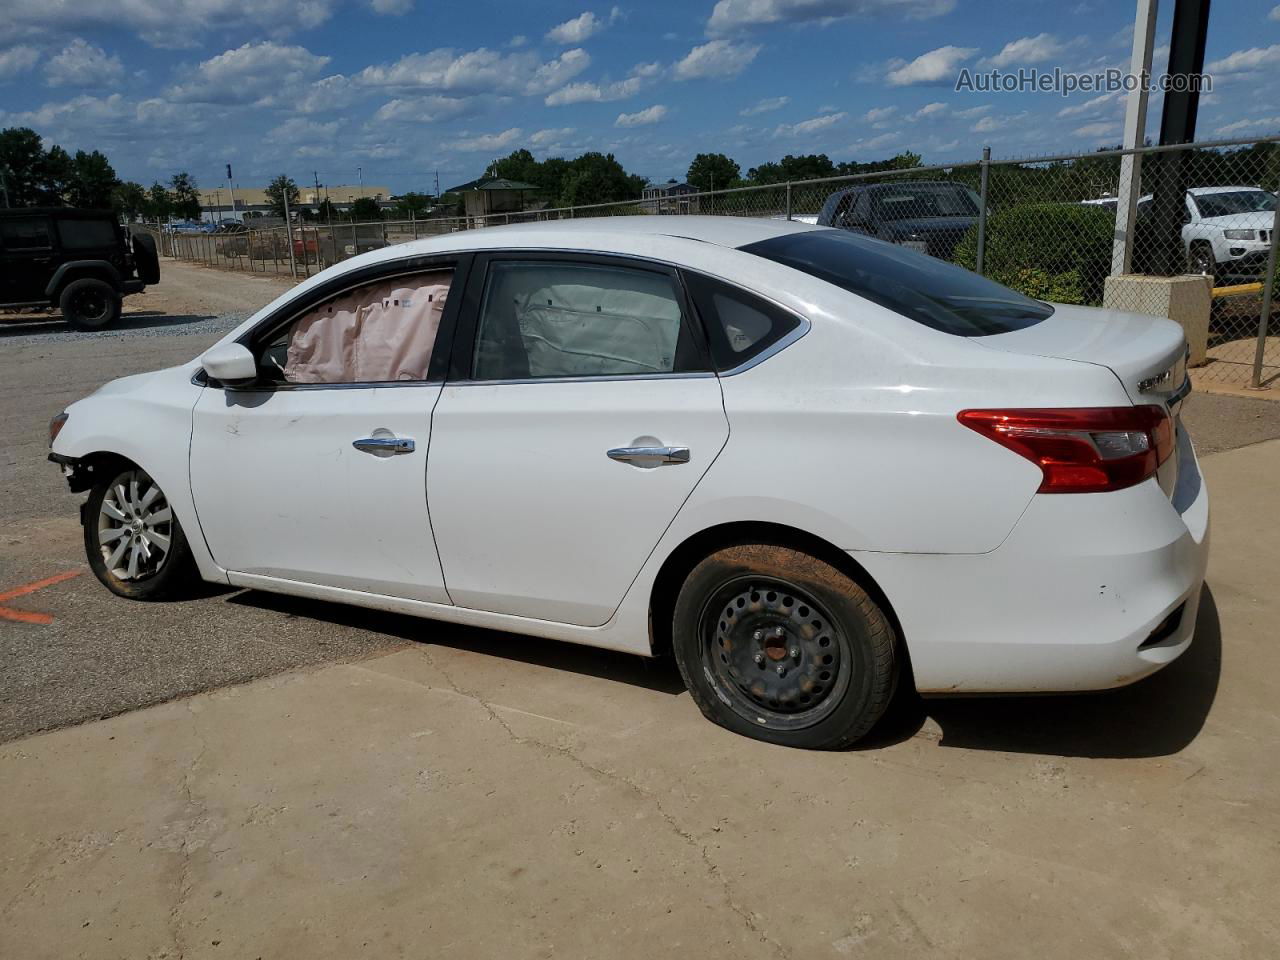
(653, 454)
(384, 445)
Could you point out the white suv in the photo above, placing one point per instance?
(1226, 231)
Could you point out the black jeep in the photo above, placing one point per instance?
(80, 261)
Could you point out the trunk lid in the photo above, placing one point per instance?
(1147, 354)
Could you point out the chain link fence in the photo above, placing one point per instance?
(1186, 232)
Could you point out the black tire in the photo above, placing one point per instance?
(1200, 259)
(821, 683)
(145, 257)
(175, 572)
(89, 304)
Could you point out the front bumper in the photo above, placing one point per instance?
(1079, 597)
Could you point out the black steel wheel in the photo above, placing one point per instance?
(89, 304)
(781, 646)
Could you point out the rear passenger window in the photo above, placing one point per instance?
(25, 233)
(557, 319)
(86, 234)
(740, 325)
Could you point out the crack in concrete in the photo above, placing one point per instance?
(195, 812)
(726, 889)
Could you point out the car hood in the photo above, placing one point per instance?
(1240, 221)
(927, 225)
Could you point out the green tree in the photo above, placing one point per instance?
(278, 189)
(327, 211)
(21, 165)
(412, 204)
(186, 196)
(159, 205)
(804, 167)
(598, 178)
(56, 178)
(130, 199)
(364, 209)
(713, 171)
(93, 181)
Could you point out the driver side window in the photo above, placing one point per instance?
(380, 332)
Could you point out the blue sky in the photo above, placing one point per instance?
(406, 88)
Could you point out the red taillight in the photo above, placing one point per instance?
(1082, 449)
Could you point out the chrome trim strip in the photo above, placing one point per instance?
(691, 375)
(1180, 394)
(660, 454)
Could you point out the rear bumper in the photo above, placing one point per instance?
(1079, 597)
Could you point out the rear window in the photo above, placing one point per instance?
(919, 287)
(25, 233)
(86, 234)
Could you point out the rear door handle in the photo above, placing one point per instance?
(656, 454)
(384, 445)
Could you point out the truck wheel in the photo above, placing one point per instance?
(89, 304)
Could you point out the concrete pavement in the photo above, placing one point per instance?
(477, 794)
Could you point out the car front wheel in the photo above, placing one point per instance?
(133, 540)
(781, 646)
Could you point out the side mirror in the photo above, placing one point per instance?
(231, 364)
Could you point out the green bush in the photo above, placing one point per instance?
(1051, 251)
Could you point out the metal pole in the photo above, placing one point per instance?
(288, 229)
(788, 199)
(1268, 293)
(979, 260)
(1135, 126)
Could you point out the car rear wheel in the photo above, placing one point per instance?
(133, 540)
(1200, 259)
(781, 646)
(90, 304)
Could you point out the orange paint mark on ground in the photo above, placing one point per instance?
(28, 616)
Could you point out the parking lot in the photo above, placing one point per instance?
(318, 781)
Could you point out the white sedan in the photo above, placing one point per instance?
(796, 458)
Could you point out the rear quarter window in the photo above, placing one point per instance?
(915, 285)
(25, 233)
(740, 326)
(86, 234)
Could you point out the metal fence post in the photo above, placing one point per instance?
(980, 256)
(288, 236)
(1264, 318)
(788, 199)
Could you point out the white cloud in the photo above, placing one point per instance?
(1037, 49)
(298, 131)
(167, 23)
(429, 109)
(1244, 61)
(970, 112)
(1094, 105)
(519, 40)
(641, 118)
(591, 92)
(488, 141)
(716, 58)
(17, 60)
(326, 94)
(807, 128)
(94, 120)
(988, 124)
(875, 143)
(1097, 131)
(929, 110)
(545, 138)
(476, 71)
(81, 64)
(936, 66)
(1275, 13)
(1264, 124)
(248, 74)
(731, 15)
(581, 28)
(878, 114)
(764, 106)
(394, 8)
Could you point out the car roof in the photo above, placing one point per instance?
(721, 231)
(1197, 191)
(55, 212)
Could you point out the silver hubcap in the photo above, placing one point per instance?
(135, 527)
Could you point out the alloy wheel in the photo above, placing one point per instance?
(135, 527)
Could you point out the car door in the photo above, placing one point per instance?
(27, 257)
(580, 414)
(317, 472)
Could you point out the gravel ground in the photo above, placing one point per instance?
(103, 655)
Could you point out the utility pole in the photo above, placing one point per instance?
(316, 175)
(360, 175)
(437, 186)
(232, 187)
(1135, 125)
(4, 186)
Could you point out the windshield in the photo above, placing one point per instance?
(1234, 201)
(907, 201)
(922, 288)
